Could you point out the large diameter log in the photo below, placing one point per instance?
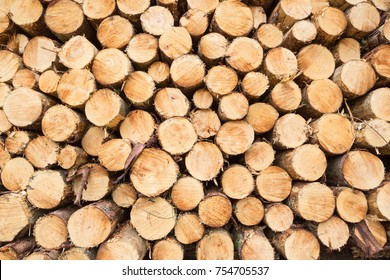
(174, 43)
(206, 123)
(17, 216)
(50, 231)
(161, 171)
(186, 193)
(372, 105)
(25, 107)
(217, 244)
(196, 22)
(42, 152)
(244, 54)
(287, 12)
(102, 215)
(378, 202)
(363, 18)
(252, 244)
(212, 48)
(249, 211)
(278, 217)
(124, 195)
(331, 23)
(288, 241)
(237, 182)
(221, 80)
(233, 106)
(259, 156)
(269, 36)
(153, 218)
(302, 33)
(125, 244)
(373, 134)
(273, 184)
(159, 71)
(254, 85)
(188, 228)
(379, 59)
(351, 204)
(355, 78)
(16, 174)
(345, 50)
(17, 141)
(48, 189)
(307, 162)
(312, 201)
(333, 233)
(168, 249)
(97, 10)
(139, 89)
(77, 253)
(10, 64)
(93, 139)
(62, 124)
(187, 72)
(132, 10)
(40, 54)
(109, 37)
(18, 249)
(215, 209)
(77, 53)
(226, 21)
(138, 126)
(156, 20)
(235, 137)
(142, 50)
(114, 153)
(261, 117)
(358, 169)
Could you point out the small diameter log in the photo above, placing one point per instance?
(196, 22)
(171, 102)
(259, 16)
(50, 231)
(288, 242)
(156, 20)
(77, 53)
(290, 131)
(280, 64)
(177, 135)
(16, 174)
(306, 163)
(331, 23)
(269, 36)
(42, 152)
(215, 209)
(378, 202)
(4, 155)
(65, 19)
(142, 50)
(262, 117)
(221, 80)
(111, 67)
(252, 244)
(161, 170)
(7, 27)
(226, 21)
(159, 71)
(125, 244)
(315, 62)
(235, 137)
(18, 249)
(344, 4)
(139, 89)
(5, 125)
(237, 182)
(333, 133)
(217, 244)
(173, 6)
(273, 184)
(71, 157)
(102, 215)
(174, 43)
(233, 106)
(17, 43)
(320, 97)
(372, 105)
(25, 78)
(333, 233)
(17, 141)
(62, 124)
(108, 35)
(206, 123)
(358, 169)
(376, 231)
(47, 189)
(40, 54)
(188, 228)
(124, 195)
(351, 204)
(9, 65)
(278, 217)
(77, 253)
(285, 97)
(254, 85)
(244, 55)
(259, 156)
(363, 18)
(17, 216)
(355, 78)
(186, 193)
(5, 90)
(48, 82)
(302, 33)
(153, 218)
(249, 211)
(379, 36)
(106, 108)
(138, 126)
(187, 72)
(92, 140)
(43, 255)
(212, 48)
(379, 59)
(345, 50)
(98, 10)
(287, 12)
(114, 153)
(372, 134)
(202, 99)
(168, 249)
(208, 6)
(132, 10)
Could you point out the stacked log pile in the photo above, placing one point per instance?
(194, 129)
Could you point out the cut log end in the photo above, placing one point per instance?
(351, 204)
(278, 217)
(168, 249)
(237, 182)
(215, 210)
(333, 233)
(274, 184)
(249, 211)
(215, 245)
(188, 228)
(259, 156)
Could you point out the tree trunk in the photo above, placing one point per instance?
(71, 157)
(132, 10)
(208, 6)
(379, 36)
(372, 134)
(331, 24)
(378, 202)
(93, 140)
(345, 50)
(18, 249)
(286, 13)
(372, 105)
(378, 58)
(302, 33)
(17, 141)
(235, 137)
(215, 209)
(97, 10)
(25, 78)
(43, 255)
(77, 253)
(269, 36)
(363, 18)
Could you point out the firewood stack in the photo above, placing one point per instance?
(194, 129)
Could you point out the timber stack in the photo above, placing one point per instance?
(194, 129)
